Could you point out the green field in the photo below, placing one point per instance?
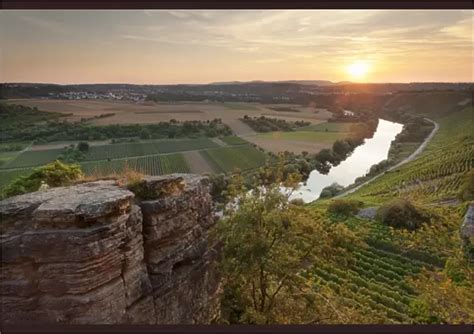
(115, 151)
(328, 126)
(234, 140)
(34, 158)
(149, 165)
(321, 137)
(227, 159)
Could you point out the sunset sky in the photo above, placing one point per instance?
(202, 46)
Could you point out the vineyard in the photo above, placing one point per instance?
(150, 165)
(227, 159)
(438, 173)
(377, 279)
(115, 151)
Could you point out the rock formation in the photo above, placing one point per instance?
(94, 254)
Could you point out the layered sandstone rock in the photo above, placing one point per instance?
(86, 254)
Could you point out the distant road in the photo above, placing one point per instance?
(410, 158)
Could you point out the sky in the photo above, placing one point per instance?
(202, 46)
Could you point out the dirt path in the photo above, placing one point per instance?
(412, 157)
(197, 163)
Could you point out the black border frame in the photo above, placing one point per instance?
(237, 4)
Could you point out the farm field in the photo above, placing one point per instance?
(312, 138)
(149, 165)
(227, 159)
(437, 173)
(151, 112)
(380, 279)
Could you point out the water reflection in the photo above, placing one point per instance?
(364, 156)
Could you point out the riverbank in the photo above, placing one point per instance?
(410, 158)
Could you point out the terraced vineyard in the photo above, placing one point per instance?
(377, 280)
(150, 165)
(438, 173)
(227, 159)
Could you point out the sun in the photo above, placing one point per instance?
(358, 69)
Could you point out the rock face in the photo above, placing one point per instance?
(467, 232)
(93, 254)
(368, 213)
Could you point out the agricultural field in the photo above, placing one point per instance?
(379, 280)
(149, 165)
(34, 158)
(329, 127)
(234, 140)
(306, 136)
(153, 112)
(437, 174)
(312, 138)
(227, 159)
(114, 151)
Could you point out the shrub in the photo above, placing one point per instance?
(83, 146)
(331, 191)
(401, 213)
(344, 207)
(467, 189)
(55, 174)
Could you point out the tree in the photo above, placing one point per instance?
(268, 247)
(83, 146)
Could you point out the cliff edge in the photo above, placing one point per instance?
(96, 253)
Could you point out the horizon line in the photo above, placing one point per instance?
(236, 82)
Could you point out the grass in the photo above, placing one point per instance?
(115, 151)
(34, 158)
(234, 140)
(227, 159)
(321, 137)
(150, 165)
(328, 126)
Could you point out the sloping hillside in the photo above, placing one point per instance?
(403, 276)
(438, 173)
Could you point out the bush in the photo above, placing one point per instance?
(83, 146)
(344, 207)
(401, 213)
(55, 174)
(467, 189)
(331, 191)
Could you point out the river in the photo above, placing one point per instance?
(372, 151)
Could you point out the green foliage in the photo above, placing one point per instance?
(24, 123)
(83, 146)
(265, 124)
(268, 245)
(53, 175)
(331, 191)
(401, 213)
(344, 207)
(466, 192)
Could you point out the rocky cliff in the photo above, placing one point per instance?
(96, 253)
